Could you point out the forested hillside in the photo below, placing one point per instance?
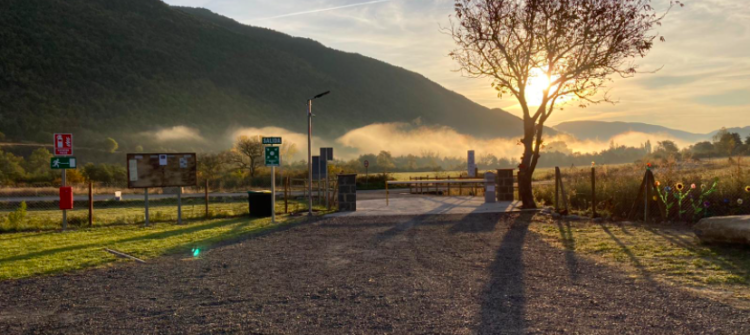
(118, 68)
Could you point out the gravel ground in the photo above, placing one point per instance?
(482, 273)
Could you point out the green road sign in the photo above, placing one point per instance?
(272, 140)
(272, 156)
(63, 163)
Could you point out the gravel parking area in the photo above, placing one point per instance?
(453, 274)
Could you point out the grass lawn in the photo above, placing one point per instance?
(672, 255)
(41, 253)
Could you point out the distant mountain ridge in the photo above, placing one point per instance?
(602, 130)
(116, 68)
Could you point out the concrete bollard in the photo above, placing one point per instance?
(489, 187)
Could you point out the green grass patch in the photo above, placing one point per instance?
(671, 254)
(41, 253)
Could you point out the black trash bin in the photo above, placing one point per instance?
(260, 203)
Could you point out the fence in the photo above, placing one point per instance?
(672, 194)
(460, 185)
(37, 208)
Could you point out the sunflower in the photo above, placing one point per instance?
(680, 187)
(747, 189)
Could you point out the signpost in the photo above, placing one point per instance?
(63, 145)
(326, 155)
(272, 159)
(367, 166)
(62, 163)
(162, 170)
(272, 140)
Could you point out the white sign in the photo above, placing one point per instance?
(183, 163)
(162, 160)
(471, 166)
(133, 167)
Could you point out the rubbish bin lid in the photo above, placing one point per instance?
(258, 192)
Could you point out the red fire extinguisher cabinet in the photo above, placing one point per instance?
(66, 197)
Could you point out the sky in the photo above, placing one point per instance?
(703, 83)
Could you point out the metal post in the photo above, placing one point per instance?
(145, 192)
(179, 205)
(65, 212)
(309, 157)
(206, 195)
(328, 206)
(273, 194)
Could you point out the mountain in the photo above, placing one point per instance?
(120, 68)
(601, 130)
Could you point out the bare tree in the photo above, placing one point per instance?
(574, 47)
(248, 154)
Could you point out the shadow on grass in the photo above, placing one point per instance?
(731, 258)
(160, 235)
(569, 243)
(633, 258)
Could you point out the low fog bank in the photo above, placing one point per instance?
(399, 139)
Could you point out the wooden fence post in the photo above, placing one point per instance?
(593, 190)
(206, 197)
(91, 204)
(557, 189)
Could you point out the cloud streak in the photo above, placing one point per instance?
(321, 10)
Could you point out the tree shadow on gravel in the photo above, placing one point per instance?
(504, 297)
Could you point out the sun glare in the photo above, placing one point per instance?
(538, 82)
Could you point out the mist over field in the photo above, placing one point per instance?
(401, 139)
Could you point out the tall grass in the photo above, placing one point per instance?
(617, 189)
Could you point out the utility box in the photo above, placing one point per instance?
(489, 187)
(66, 197)
(260, 203)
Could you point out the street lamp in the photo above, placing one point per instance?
(309, 151)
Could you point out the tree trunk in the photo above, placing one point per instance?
(526, 169)
(525, 192)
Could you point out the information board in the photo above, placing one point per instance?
(161, 170)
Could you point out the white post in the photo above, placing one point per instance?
(273, 194)
(65, 212)
(145, 192)
(179, 205)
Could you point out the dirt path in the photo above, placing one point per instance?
(448, 274)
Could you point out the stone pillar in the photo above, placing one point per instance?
(504, 183)
(347, 192)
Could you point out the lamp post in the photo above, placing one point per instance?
(309, 151)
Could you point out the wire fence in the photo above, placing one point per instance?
(36, 208)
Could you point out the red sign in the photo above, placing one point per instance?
(367, 163)
(63, 144)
